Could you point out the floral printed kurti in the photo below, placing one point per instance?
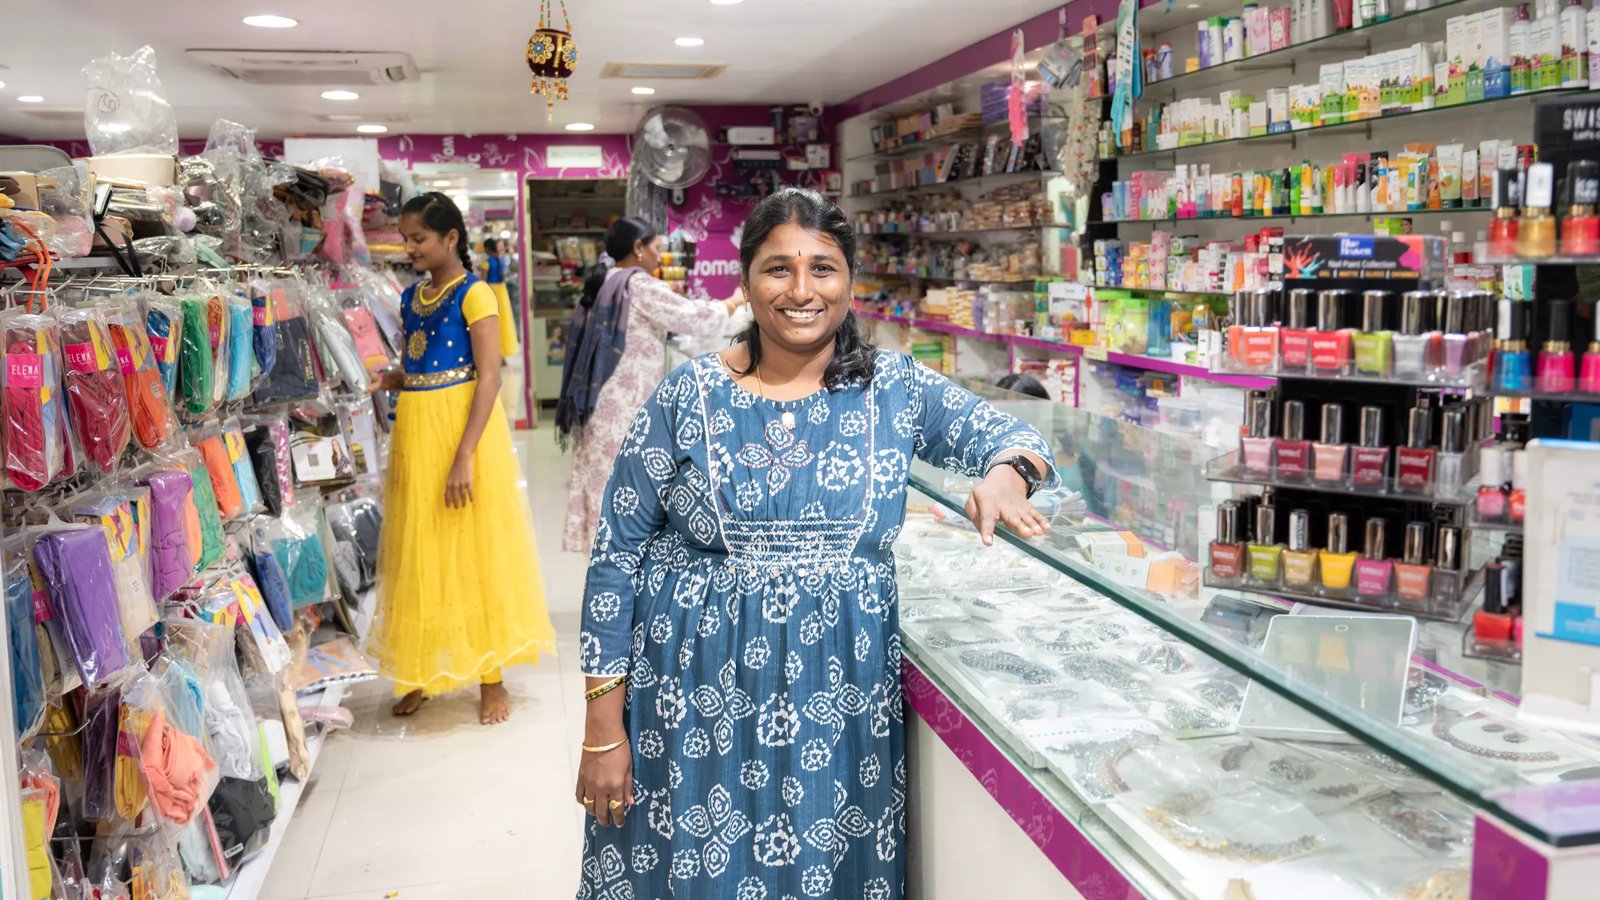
(654, 313)
(742, 575)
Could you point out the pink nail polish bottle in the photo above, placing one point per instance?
(1555, 371)
(1589, 372)
(1256, 449)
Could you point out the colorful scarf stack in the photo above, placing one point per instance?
(294, 371)
(95, 393)
(205, 503)
(243, 472)
(27, 672)
(76, 568)
(148, 411)
(35, 422)
(176, 767)
(195, 369)
(230, 503)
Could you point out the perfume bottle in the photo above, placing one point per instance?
(1330, 343)
(1374, 345)
(1265, 552)
(1536, 233)
(1330, 456)
(1557, 370)
(1415, 345)
(1294, 355)
(1413, 576)
(1338, 560)
(1517, 503)
(1369, 459)
(1447, 481)
(1493, 490)
(1589, 370)
(1414, 461)
(1294, 448)
(1227, 551)
(1513, 367)
(1374, 570)
(1503, 227)
(1580, 227)
(1455, 341)
(1256, 448)
(1446, 571)
(1300, 559)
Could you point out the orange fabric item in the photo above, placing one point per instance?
(147, 396)
(230, 503)
(175, 767)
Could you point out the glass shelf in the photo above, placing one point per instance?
(1159, 290)
(1547, 396)
(947, 279)
(993, 178)
(1230, 469)
(1447, 609)
(1162, 501)
(1211, 220)
(955, 234)
(965, 135)
(1471, 377)
(1358, 125)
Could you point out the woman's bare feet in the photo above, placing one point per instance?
(410, 703)
(496, 705)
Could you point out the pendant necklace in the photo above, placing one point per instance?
(761, 387)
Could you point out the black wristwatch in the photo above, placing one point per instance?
(1024, 467)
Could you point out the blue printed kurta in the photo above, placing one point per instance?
(742, 576)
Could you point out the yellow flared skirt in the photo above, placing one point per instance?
(460, 594)
(509, 345)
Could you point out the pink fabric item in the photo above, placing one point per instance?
(175, 767)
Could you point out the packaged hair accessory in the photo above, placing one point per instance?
(175, 538)
(96, 399)
(75, 565)
(164, 328)
(35, 420)
(149, 410)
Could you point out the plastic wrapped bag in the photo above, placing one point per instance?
(75, 566)
(63, 198)
(96, 397)
(150, 418)
(383, 296)
(243, 471)
(268, 443)
(297, 543)
(27, 671)
(293, 377)
(164, 329)
(363, 328)
(175, 539)
(179, 773)
(212, 544)
(241, 347)
(196, 358)
(127, 110)
(261, 334)
(335, 344)
(274, 584)
(207, 439)
(116, 513)
(37, 451)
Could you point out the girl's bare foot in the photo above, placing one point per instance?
(496, 704)
(410, 703)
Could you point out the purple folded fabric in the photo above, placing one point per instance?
(171, 559)
(76, 568)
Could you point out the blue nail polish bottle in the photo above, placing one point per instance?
(1513, 365)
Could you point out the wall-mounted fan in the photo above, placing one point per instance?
(673, 149)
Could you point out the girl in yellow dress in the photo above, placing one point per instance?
(459, 590)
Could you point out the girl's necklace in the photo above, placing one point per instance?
(761, 387)
(422, 306)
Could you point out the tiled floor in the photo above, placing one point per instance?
(438, 807)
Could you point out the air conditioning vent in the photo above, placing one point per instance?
(309, 67)
(394, 119)
(660, 71)
(50, 114)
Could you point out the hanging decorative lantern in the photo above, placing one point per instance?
(552, 57)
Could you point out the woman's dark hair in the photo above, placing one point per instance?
(441, 216)
(491, 245)
(620, 238)
(1022, 384)
(853, 357)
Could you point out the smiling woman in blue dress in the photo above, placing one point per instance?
(740, 636)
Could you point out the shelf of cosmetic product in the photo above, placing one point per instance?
(947, 279)
(1426, 597)
(991, 178)
(1370, 213)
(1468, 377)
(958, 136)
(1554, 396)
(1420, 481)
(959, 233)
(1341, 127)
(1140, 289)
(1478, 522)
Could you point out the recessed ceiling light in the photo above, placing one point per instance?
(271, 21)
(373, 129)
(2, 84)
(689, 41)
(580, 126)
(641, 90)
(440, 183)
(30, 98)
(340, 95)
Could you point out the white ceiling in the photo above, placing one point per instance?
(470, 52)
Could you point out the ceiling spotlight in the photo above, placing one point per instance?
(689, 41)
(580, 126)
(373, 129)
(641, 90)
(340, 95)
(2, 84)
(271, 21)
(30, 98)
(440, 183)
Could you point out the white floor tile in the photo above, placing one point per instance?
(290, 877)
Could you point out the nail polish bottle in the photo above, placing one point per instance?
(1580, 227)
(1256, 449)
(1482, 309)
(1294, 448)
(1413, 576)
(1330, 343)
(1374, 570)
(1265, 552)
(1493, 623)
(1455, 342)
(1556, 371)
(1513, 366)
(1374, 344)
(1414, 345)
(1414, 462)
(1589, 370)
(1493, 491)
(1517, 505)
(1227, 551)
(1295, 339)
(1446, 570)
(1536, 233)
(1448, 465)
(1300, 559)
(1503, 227)
(1338, 561)
(1330, 456)
(1260, 335)
(1369, 459)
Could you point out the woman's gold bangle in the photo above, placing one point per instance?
(605, 749)
(606, 688)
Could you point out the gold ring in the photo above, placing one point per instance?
(616, 804)
(587, 801)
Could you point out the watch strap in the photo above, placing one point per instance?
(1024, 467)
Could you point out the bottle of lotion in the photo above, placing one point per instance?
(1574, 45)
